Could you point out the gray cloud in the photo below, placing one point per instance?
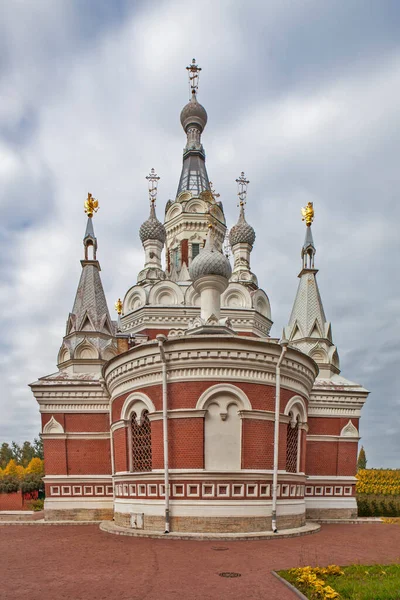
(302, 96)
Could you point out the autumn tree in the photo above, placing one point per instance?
(362, 459)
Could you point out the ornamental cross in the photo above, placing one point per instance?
(91, 205)
(242, 188)
(193, 72)
(213, 192)
(152, 180)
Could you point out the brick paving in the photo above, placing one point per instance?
(84, 563)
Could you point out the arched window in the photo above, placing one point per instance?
(292, 444)
(141, 442)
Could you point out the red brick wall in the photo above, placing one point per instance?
(257, 444)
(186, 443)
(87, 422)
(14, 501)
(321, 458)
(157, 448)
(88, 456)
(185, 251)
(121, 462)
(55, 457)
(347, 458)
(328, 425)
(303, 455)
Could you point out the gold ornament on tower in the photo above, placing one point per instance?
(308, 214)
(91, 205)
(118, 306)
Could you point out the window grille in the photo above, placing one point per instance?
(141, 442)
(292, 443)
(195, 250)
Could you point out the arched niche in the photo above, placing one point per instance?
(222, 426)
(109, 351)
(136, 402)
(86, 350)
(166, 293)
(53, 426)
(297, 409)
(192, 298)
(196, 206)
(236, 296)
(63, 355)
(349, 430)
(173, 211)
(260, 303)
(135, 298)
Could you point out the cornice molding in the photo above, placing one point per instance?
(178, 414)
(331, 438)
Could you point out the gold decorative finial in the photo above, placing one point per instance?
(118, 306)
(91, 205)
(152, 180)
(242, 188)
(193, 71)
(308, 214)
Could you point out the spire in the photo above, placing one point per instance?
(241, 239)
(194, 176)
(90, 311)
(308, 328)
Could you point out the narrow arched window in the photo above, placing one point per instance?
(141, 442)
(292, 445)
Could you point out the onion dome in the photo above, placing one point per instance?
(152, 229)
(193, 114)
(210, 261)
(242, 232)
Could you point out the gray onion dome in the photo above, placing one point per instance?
(193, 114)
(152, 229)
(210, 261)
(242, 232)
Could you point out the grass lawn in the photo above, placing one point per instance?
(356, 582)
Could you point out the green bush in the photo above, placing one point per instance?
(374, 505)
(37, 505)
(9, 484)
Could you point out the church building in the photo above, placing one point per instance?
(184, 414)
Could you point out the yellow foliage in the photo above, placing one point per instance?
(14, 470)
(311, 577)
(36, 466)
(382, 481)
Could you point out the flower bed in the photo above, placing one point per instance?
(356, 582)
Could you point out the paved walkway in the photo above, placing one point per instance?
(84, 563)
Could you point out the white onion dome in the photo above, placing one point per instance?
(210, 261)
(152, 229)
(242, 232)
(193, 114)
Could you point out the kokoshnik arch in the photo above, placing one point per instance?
(185, 413)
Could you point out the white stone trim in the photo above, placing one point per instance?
(331, 438)
(214, 508)
(130, 401)
(331, 502)
(349, 430)
(53, 426)
(78, 502)
(260, 415)
(223, 388)
(293, 406)
(184, 413)
(118, 425)
(76, 478)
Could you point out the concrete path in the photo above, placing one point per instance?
(84, 563)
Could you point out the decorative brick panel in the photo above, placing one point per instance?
(87, 422)
(347, 458)
(121, 461)
(321, 458)
(257, 444)
(328, 426)
(55, 457)
(88, 456)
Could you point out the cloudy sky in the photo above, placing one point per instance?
(302, 96)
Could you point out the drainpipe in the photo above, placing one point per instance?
(161, 339)
(284, 344)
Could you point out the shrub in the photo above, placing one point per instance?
(9, 484)
(37, 505)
